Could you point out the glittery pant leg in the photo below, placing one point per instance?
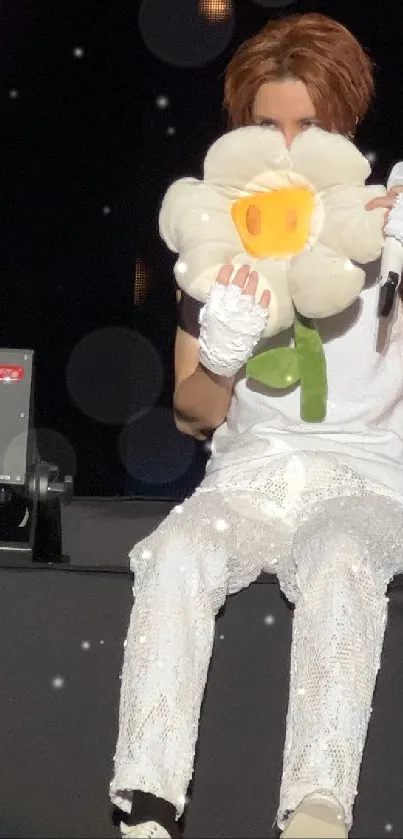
(343, 560)
(183, 573)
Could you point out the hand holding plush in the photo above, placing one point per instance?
(231, 324)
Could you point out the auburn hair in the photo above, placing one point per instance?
(318, 51)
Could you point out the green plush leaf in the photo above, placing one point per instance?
(278, 368)
(312, 364)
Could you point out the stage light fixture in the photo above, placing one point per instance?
(141, 282)
(216, 11)
(30, 490)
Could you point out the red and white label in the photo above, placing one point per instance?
(11, 373)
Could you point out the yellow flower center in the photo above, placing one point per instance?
(274, 224)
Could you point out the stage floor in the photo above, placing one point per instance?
(60, 659)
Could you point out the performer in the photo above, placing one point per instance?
(319, 504)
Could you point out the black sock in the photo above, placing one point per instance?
(148, 808)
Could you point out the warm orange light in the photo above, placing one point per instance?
(216, 10)
(141, 282)
(274, 224)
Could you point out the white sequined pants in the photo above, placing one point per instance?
(335, 544)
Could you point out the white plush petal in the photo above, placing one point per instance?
(328, 160)
(192, 213)
(177, 197)
(195, 221)
(197, 269)
(243, 157)
(322, 283)
(348, 227)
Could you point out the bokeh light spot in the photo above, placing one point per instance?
(54, 448)
(50, 446)
(180, 34)
(153, 450)
(114, 375)
(162, 102)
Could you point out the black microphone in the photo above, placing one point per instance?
(392, 255)
(391, 266)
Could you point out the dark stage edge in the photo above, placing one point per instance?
(58, 737)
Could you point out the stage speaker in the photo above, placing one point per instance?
(30, 490)
(16, 406)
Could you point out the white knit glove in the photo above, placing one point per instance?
(394, 225)
(231, 324)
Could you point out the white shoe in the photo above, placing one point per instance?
(145, 830)
(317, 817)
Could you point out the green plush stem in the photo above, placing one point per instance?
(312, 366)
(284, 367)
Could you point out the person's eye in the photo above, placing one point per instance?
(267, 123)
(310, 123)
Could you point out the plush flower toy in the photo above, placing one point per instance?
(297, 216)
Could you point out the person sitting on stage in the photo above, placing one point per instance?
(317, 503)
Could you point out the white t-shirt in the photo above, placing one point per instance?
(364, 422)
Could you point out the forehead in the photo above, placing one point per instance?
(288, 99)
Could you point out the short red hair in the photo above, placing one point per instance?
(318, 51)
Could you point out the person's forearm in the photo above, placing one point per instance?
(201, 402)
